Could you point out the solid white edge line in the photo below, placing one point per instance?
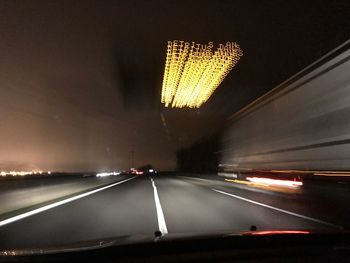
(62, 202)
(279, 209)
(160, 215)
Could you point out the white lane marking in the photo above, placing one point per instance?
(195, 178)
(279, 209)
(160, 215)
(62, 202)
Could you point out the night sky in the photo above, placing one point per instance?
(80, 81)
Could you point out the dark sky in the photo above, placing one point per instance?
(80, 80)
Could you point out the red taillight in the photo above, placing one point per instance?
(279, 232)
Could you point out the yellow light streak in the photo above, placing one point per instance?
(333, 174)
(275, 188)
(193, 71)
(272, 181)
(20, 173)
(238, 181)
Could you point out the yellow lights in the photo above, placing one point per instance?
(269, 184)
(238, 181)
(272, 181)
(338, 174)
(20, 173)
(193, 71)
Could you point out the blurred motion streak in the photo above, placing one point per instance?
(321, 173)
(265, 186)
(333, 174)
(278, 182)
(192, 71)
(107, 174)
(279, 232)
(238, 181)
(311, 110)
(21, 173)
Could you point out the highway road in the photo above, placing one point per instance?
(174, 204)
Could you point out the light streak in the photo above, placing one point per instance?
(276, 188)
(334, 174)
(107, 174)
(311, 172)
(270, 181)
(238, 181)
(279, 232)
(192, 72)
(20, 173)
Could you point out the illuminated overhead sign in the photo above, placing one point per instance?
(193, 71)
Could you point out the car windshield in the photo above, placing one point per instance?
(161, 118)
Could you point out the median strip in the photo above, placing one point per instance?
(62, 202)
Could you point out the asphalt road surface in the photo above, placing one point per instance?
(174, 204)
